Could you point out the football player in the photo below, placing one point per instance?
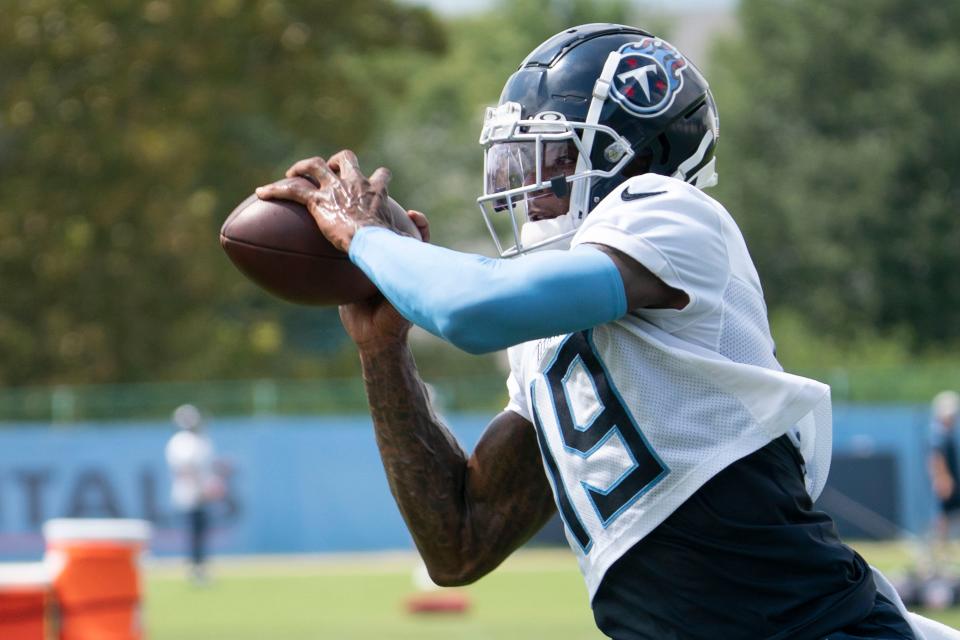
(944, 468)
(646, 401)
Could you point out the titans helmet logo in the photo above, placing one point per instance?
(648, 78)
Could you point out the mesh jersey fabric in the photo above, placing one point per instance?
(635, 415)
(747, 557)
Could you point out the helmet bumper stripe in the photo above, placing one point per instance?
(694, 169)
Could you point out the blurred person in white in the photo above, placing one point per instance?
(944, 469)
(195, 481)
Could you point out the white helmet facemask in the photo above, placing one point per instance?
(541, 159)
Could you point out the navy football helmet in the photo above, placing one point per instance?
(587, 109)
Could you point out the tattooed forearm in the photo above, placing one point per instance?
(424, 463)
(465, 514)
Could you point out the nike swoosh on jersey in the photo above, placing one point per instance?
(626, 195)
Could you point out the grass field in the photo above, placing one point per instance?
(535, 594)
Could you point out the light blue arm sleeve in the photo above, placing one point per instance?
(481, 304)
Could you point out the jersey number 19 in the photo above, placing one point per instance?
(590, 420)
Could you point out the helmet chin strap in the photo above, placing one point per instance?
(556, 233)
(580, 196)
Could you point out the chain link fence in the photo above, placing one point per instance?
(475, 393)
(66, 404)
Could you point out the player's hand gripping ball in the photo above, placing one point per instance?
(278, 245)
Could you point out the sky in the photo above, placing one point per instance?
(453, 7)
(702, 20)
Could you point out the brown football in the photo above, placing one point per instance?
(277, 244)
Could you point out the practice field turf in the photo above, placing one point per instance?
(535, 594)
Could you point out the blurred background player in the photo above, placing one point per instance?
(195, 482)
(944, 470)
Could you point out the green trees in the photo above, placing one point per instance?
(838, 155)
(127, 132)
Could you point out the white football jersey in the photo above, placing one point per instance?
(635, 415)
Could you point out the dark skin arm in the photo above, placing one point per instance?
(644, 290)
(943, 482)
(466, 513)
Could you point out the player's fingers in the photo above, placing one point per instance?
(314, 168)
(345, 164)
(295, 189)
(301, 167)
(423, 225)
(379, 181)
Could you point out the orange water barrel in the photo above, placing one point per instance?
(25, 599)
(95, 564)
